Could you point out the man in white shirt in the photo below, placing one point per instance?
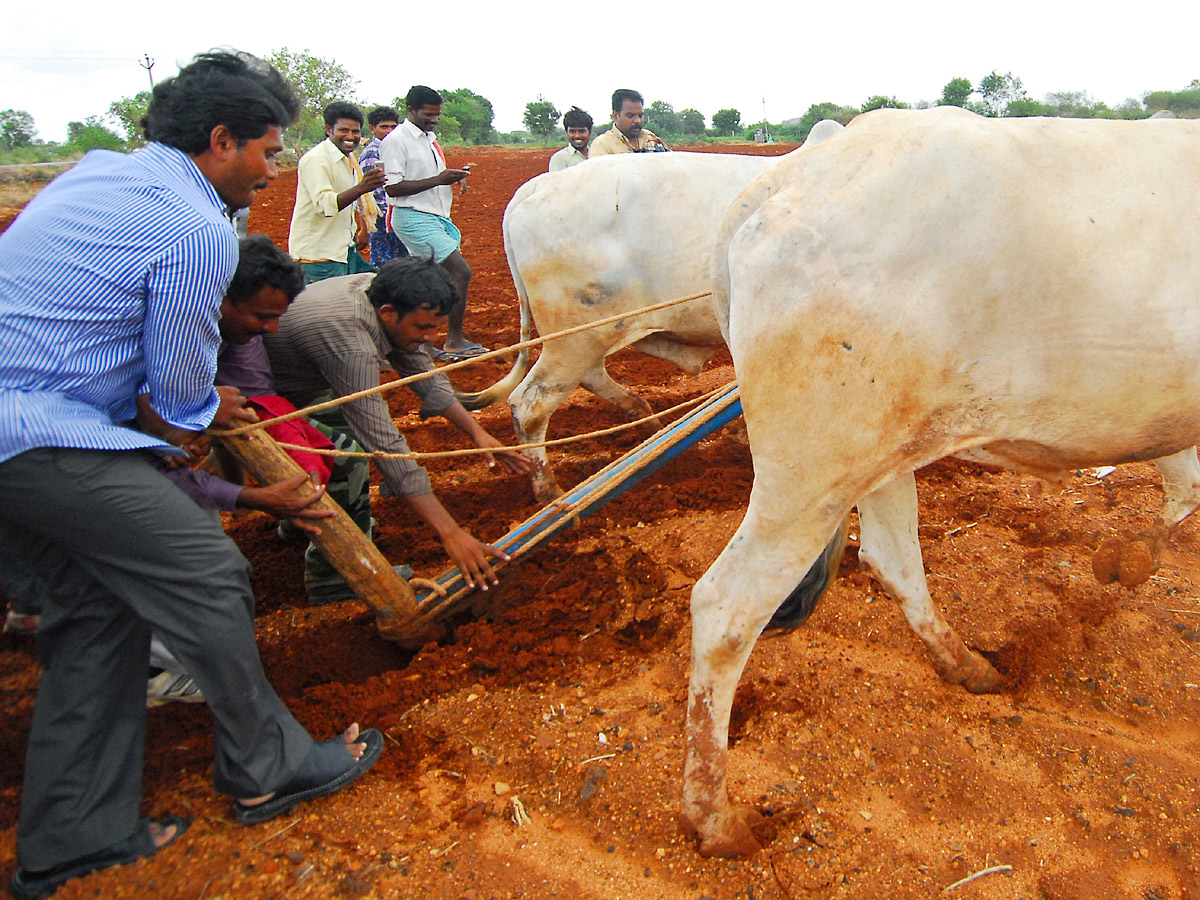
(579, 131)
(419, 197)
(330, 190)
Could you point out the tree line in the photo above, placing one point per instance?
(467, 117)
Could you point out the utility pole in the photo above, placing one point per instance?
(147, 63)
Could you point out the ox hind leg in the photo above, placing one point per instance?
(1131, 560)
(731, 603)
(562, 367)
(889, 546)
(604, 386)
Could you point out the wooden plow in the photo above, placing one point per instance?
(411, 619)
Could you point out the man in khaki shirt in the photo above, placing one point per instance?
(331, 190)
(627, 134)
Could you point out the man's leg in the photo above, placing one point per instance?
(349, 487)
(396, 246)
(82, 789)
(140, 555)
(460, 273)
(433, 237)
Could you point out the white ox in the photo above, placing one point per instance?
(1020, 291)
(615, 234)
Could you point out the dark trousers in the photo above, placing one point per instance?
(120, 551)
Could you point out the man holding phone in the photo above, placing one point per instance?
(333, 195)
(419, 197)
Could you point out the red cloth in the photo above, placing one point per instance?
(295, 431)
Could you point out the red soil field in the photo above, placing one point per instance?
(567, 688)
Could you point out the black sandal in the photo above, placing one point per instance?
(323, 771)
(28, 885)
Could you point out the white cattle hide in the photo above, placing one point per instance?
(930, 283)
(615, 234)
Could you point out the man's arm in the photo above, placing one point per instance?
(469, 554)
(317, 178)
(408, 188)
(437, 399)
(231, 413)
(372, 179)
(279, 499)
(180, 339)
(513, 461)
(371, 421)
(394, 157)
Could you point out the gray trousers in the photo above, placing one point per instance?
(120, 551)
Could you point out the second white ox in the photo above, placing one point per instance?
(614, 235)
(1021, 291)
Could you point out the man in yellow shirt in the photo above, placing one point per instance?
(627, 134)
(331, 190)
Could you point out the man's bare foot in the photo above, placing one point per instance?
(355, 748)
(160, 835)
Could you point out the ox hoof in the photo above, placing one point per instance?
(547, 492)
(1130, 562)
(978, 676)
(728, 836)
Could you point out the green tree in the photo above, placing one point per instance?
(998, 91)
(798, 129)
(16, 129)
(1186, 103)
(318, 82)
(727, 122)
(93, 134)
(1130, 108)
(130, 111)
(956, 92)
(473, 113)
(541, 117)
(691, 121)
(1027, 106)
(881, 102)
(661, 118)
(449, 130)
(1156, 100)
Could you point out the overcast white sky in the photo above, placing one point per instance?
(70, 59)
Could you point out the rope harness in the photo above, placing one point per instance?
(493, 354)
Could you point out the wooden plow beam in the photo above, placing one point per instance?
(411, 620)
(587, 497)
(351, 552)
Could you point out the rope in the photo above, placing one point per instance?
(476, 451)
(492, 354)
(546, 522)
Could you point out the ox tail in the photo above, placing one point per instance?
(501, 390)
(803, 599)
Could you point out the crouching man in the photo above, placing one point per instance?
(332, 341)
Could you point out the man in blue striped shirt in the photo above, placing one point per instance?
(110, 286)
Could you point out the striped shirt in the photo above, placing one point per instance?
(111, 282)
(369, 156)
(330, 339)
